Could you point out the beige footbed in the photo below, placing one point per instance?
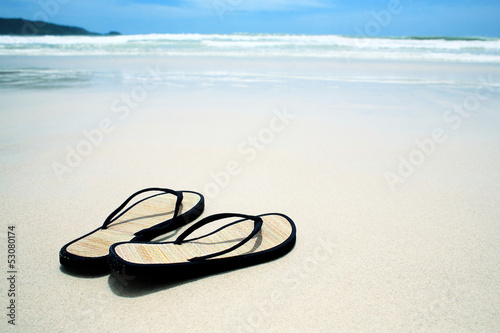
(275, 230)
(142, 216)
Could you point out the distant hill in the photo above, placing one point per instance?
(23, 27)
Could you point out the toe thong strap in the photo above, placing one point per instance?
(114, 215)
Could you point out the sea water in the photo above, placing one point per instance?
(187, 59)
(259, 45)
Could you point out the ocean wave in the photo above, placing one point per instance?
(259, 45)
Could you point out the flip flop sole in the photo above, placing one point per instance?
(90, 252)
(276, 238)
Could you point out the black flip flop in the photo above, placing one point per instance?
(248, 241)
(143, 220)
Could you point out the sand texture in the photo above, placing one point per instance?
(390, 171)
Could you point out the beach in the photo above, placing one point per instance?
(386, 160)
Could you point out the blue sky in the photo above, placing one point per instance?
(363, 17)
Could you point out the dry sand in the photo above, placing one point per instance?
(422, 255)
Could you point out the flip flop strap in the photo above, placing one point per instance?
(257, 227)
(178, 203)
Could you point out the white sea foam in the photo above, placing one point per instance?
(257, 45)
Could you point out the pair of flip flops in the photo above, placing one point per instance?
(123, 243)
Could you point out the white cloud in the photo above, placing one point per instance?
(261, 5)
(199, 8)
(133, 10)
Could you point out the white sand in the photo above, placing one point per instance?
(422, 256)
